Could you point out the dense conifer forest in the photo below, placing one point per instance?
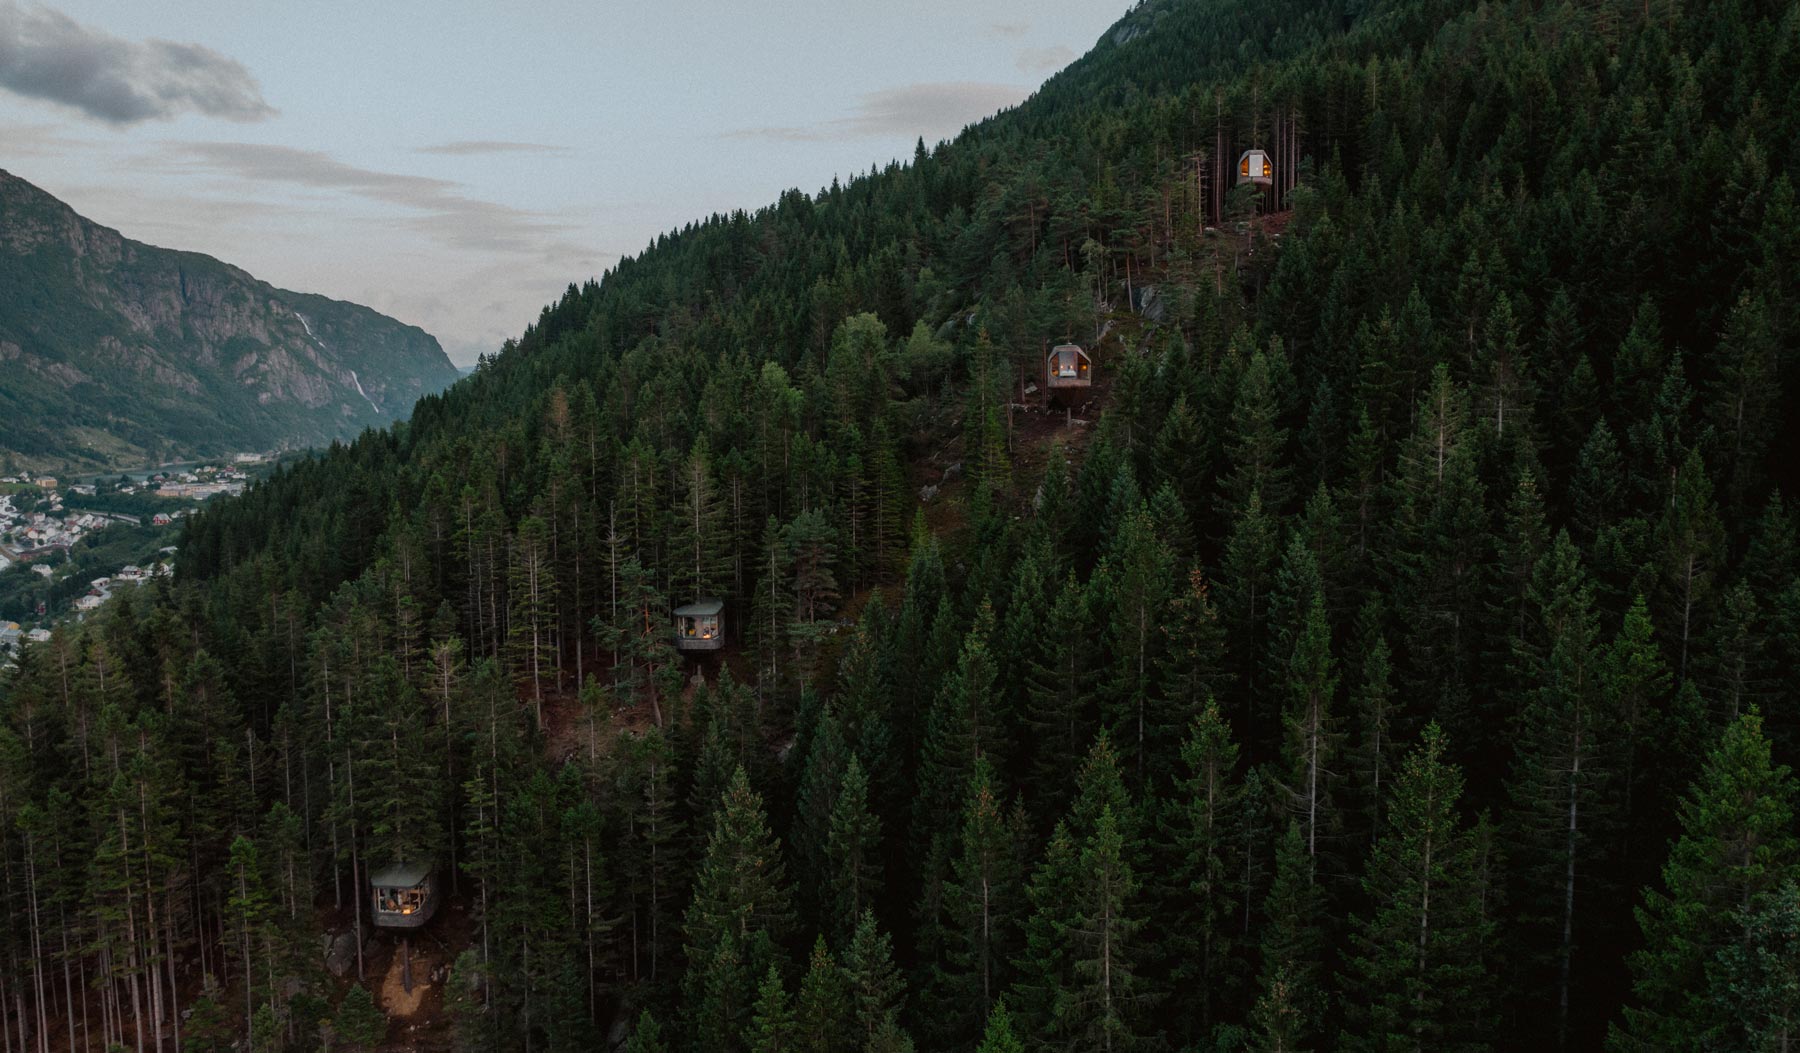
(1397, 653)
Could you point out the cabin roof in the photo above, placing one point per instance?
(400, 875)
(1060, 348)
(700, 609)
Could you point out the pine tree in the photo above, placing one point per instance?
(1313, 740)
(1255, 449)
(718, 994)
(1417, 955)
(1635, 689)
(1563, 784)
(646, 1037)
(1245, 579)
(1440, 548)
(773, 607)
(1193, 662)
(1099, 1005)
(982, 900)
(1374, 757)
(877, 992)
(357, 1021)
(999, 1036)
(740, 894)
(812, 544)
(1755, 984)
(822, 1013)
(1691, 538)
(699, 550)
(1059, 697)
(962, 729)
(853, 848)
(1737, 847)
(1138, 569)
(1196, 899)
(532, 636)
(771, 1018)
(1290, 1009)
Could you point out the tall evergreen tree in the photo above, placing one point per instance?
(1417, 953)
(1737, 847)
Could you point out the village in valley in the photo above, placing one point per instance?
(67, 547)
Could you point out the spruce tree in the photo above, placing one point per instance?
(1101, 1000)
(1737, 847)
(982, 901)
(771, 1018)
(741, 903)
(1195, 897)
(1564, 787)
(1313, 741)
(999, 1037)
(1138, 569)
(1060, 697)
(853, 848)
(876, 991)
(822, 1012)
(1417, 954)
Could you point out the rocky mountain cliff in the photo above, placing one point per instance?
(116, 353)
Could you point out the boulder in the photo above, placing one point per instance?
(340, 953)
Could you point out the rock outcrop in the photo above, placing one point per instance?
(119, 353)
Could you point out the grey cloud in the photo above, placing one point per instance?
(47, 55)
(927, 110)
(1043, 60)
(482, 147)
(437, 208)
(1009, 29)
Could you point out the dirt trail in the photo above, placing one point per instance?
(395, 1001)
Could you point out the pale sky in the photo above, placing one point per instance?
(458, 164)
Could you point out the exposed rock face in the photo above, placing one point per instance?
(113, 352)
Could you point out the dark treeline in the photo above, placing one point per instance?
(1403, 659)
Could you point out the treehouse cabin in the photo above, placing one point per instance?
(700, 626)
(1254, 167)
(404, 896)
(1068, 367)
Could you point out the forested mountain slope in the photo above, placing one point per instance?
(119, 354)
(1401, 660)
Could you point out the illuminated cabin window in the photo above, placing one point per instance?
(401, 900)
(1067, 365)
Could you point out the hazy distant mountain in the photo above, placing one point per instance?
(113, 352)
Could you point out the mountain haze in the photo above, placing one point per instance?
(117, 353)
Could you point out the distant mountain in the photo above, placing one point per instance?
(116, 353)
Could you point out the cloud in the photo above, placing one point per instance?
(435, 207)
(929, 111)
(39, 140)
(47, 55)
(1009, 29)
(1043, 60)
(483, 147)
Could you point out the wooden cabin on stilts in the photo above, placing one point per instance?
(404, 897)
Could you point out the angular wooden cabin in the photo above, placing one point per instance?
(1255, 167)
(1068, 367)
(404, 896)
(700, 626)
